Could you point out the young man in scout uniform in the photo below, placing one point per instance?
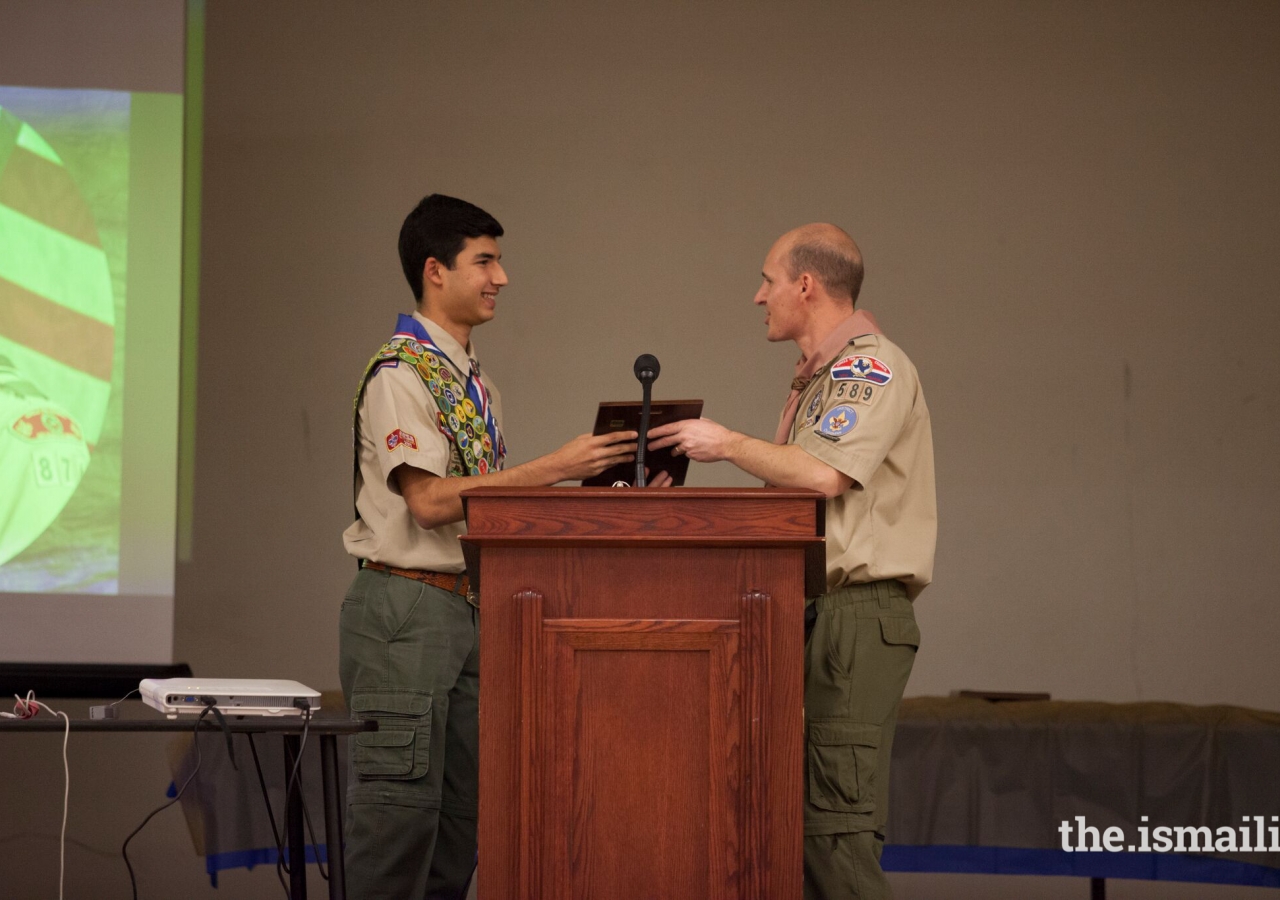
(428, 425)
(856, 428)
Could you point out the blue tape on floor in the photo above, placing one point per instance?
(1023, 861)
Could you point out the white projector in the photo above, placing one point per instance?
(233, 696)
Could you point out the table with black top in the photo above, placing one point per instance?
(290, 728)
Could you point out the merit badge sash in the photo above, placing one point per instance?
(463, 412)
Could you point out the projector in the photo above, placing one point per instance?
(233, 696)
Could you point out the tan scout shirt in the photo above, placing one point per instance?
(396, 398)
(864, 415)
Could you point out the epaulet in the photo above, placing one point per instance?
(853, 340)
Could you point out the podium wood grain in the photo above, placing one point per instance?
(641, 690)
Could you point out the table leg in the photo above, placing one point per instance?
(293, 822)
(333, 816)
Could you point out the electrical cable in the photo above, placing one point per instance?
(28, 709)
(109, 711)
(288, 792)
(271, 817)
(124, 849)
(281, 867)
(66, 797)
(306, 815)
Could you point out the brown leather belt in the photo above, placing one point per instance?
(457, 583)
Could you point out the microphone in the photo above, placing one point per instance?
(646, 369)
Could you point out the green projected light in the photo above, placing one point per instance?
(57, 321)
(97, 351)
(63, 236)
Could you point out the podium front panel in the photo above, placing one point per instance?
(641, 671)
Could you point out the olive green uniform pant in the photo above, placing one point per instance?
(858, 657)
(410, 658)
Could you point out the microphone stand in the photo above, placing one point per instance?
(641, 480)
(646, 369)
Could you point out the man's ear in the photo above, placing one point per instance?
(806, 285)
(431, 272)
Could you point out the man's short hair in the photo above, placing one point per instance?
(439, 226)
(839, 271)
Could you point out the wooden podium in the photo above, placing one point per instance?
(641, 677)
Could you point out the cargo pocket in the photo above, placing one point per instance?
(900, 630)
(842, 765)
(401, 747)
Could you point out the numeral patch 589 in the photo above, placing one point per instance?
(857, 393)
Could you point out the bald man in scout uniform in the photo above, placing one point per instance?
(428, 425)
(855, 427)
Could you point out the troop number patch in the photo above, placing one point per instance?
(857, 393)
(861, 368)
(838, 422)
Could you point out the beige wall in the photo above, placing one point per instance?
(1068, 213)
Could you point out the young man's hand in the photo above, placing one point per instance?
(590, 454)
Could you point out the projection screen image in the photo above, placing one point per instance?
(64, 180)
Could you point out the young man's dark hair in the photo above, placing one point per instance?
(439, 226)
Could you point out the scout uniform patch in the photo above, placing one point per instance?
(811, 414)
(398, 437)
(855, 392)
(838, 422)
(861, 368)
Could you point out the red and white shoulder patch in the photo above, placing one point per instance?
(861, 368)
(398, 437)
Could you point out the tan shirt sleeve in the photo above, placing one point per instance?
(400, 416)
(857, 422)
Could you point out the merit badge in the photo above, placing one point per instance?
(838, 422)
(398, 437)
(861, 368)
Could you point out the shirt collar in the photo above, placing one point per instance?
(858, 324)
(419, 325)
